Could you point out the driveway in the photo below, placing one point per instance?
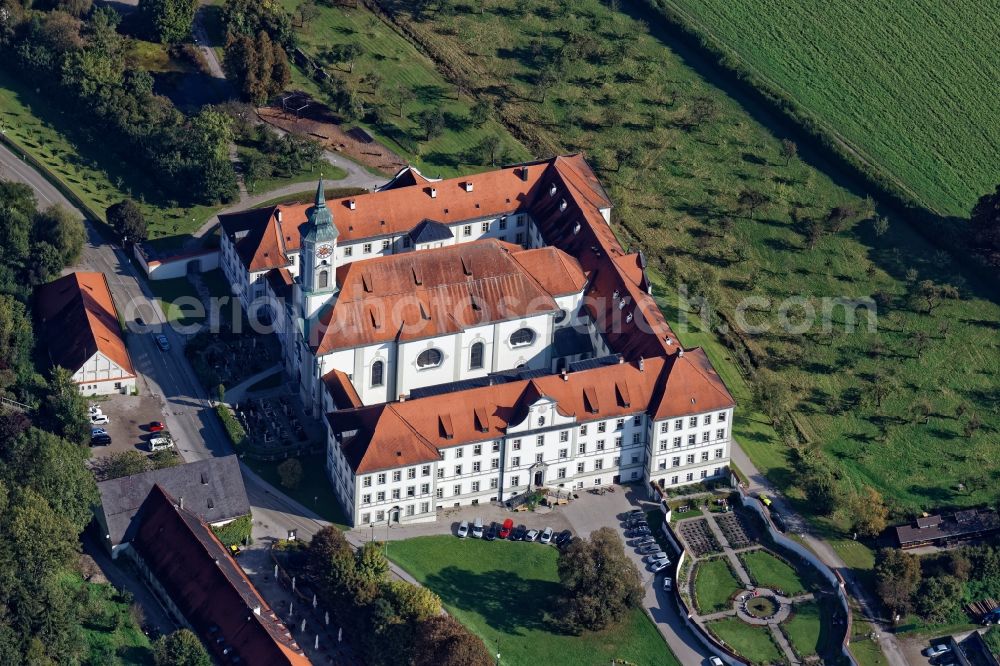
(130, 417)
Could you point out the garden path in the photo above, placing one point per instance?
(782, 642)
(238, 392)
(727, 549)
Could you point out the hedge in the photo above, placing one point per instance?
(235, 532)
(236, 433)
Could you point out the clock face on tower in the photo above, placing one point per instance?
(324, 251)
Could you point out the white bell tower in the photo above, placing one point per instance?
(319, 252)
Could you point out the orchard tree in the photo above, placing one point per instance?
(788, 150)
(750, 200)
(870, 513)
(431, 121)
(342, 54)
(930, 295)
(169, 21)
(490, 149)
(126, 218)
(399, 96)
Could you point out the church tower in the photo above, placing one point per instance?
(319, 248)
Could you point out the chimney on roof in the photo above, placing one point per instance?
(621, 359)
(669, 340)
(256, 609)
(565, 377)
(468, 186)
(180, 502)
(277, 215)
(524, 173)
(434, 193)
(352, 204)
(402, 397)
(680, 352)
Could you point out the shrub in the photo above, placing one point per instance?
(237, 435)
(290, 473)
(236, 531)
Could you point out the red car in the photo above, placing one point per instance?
(155, 426)
(506, 528)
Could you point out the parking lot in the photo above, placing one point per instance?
(130, 415)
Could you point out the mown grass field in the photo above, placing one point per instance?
(677, 199)
(751, 641)
(714, 586)
(502, 590)
(400, 64)
(911, 84)
(804, 628)
(770, 572)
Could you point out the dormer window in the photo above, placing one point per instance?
(562, 205)
(615, 295)
(628, 318)
(553, 189)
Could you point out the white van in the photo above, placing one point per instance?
(160, 444)
(477, 528)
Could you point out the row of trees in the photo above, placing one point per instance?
(934, 586)
(78, 65)
(389, 620)
(258, 37)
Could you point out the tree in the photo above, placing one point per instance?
(181, 648)
(258, 65)
(821, 486)
(920, 341)
(431, 121)
(880, 386)
(373, 80)
(125, 463)
(256, 167)
(63, 230)
(308, 12)
(250, 17)
(399, 96)
(751, 200)
(838, 215)
(341, 54)
(788, 150)
(480, 112)
(64, 411)
(489, 149)
(290, 473)
(984, 227)
(897, 576)
(870, 513)
(413, 603)
(126, 218)
(600, 583)
(370, 563)
(164, 458)
(939, 597)
(444, 641)
(931, 295)
(972, 426)
(880, 225)
(772, 396)
(169, 21)
(16, 340)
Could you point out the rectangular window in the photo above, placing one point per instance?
(411, 473)
(705, 436)
(673, 480)
(519, 239)
(540, 440)
(516, 445)
(493, 482)
(467, 230)
(425, 507)
(564, 436)
(598, 464)
(366, 518)
(635, 437)
(458, 489)
(348, 251)
(486, 227)
(637, 420)
(718, 453)
(459, 452)
(496, 447)
(583, 429)
(409, 509)
(704, 473)
(663, 464)
(380, 496)
(619, 424)
(367, 248)
(495, 463)
(689, 476)
(439, 493)
(514, 481)
(477, 450)
(458, 470)
(411, 491)
(379, 516)
(690, 459)
(381, 479)
(664, 426)
(397, 476)
(616, 462)
(693, 421)
(580, 467)
(425, 488)
(406, 241)
(677, 442)
(678, 424)
(425, 470)
(563, 453)
(721, 417)
(503, 223)
(561, 473)
(395, 493)
(515, 461)
(618, 442)
(582, 448)
(602, 426)
(663, 445)
(440, 472)
(675, 461)
(366, 482)
(520, 220)
(538, 457)
(707, 420)
(720, 433)
(704, 456)
(691, 439)
(475, 486)
(366, 498)
(477, 466)
(635, 459)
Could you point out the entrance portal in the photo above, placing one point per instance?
(539, 478)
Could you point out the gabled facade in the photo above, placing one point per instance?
(502, 298)
(81, 331)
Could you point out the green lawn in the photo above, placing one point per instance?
(677, 199)
(804, 628)
(850, 61)
(400, 64)
(307, 195)
(503, 590)
(92, 174)
(753, 642)
(770, 572)
(714, 585)
(867, 652)
(109, 628)
(314, 492)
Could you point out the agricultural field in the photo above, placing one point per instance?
(910, 85)
(719, 205)
(386, 64)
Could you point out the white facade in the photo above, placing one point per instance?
(546, 449)
(102, 376)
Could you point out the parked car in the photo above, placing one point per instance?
(937, 650)
(156, 426)
(518, 534)
(463, 529)
(715, 661)
(668, 584)
(162, 342)
(94, 410)
(564, 538)
(546, 535)
(764, 499)
(649, 548)
(531, 535)
(100, 440)
(635, 512)
(506, 529)
(661, 566)
(99, 419)
(491, 533)
(643, 541)
(639, 532)
(477, 528)
(657, 557)
(160, 444)
(94, 431)
(235, 550)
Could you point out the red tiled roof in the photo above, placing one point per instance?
(209, 587)
(691, 386)
(339, 385)
(558, 273)
(79, 319)
(423, 294)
